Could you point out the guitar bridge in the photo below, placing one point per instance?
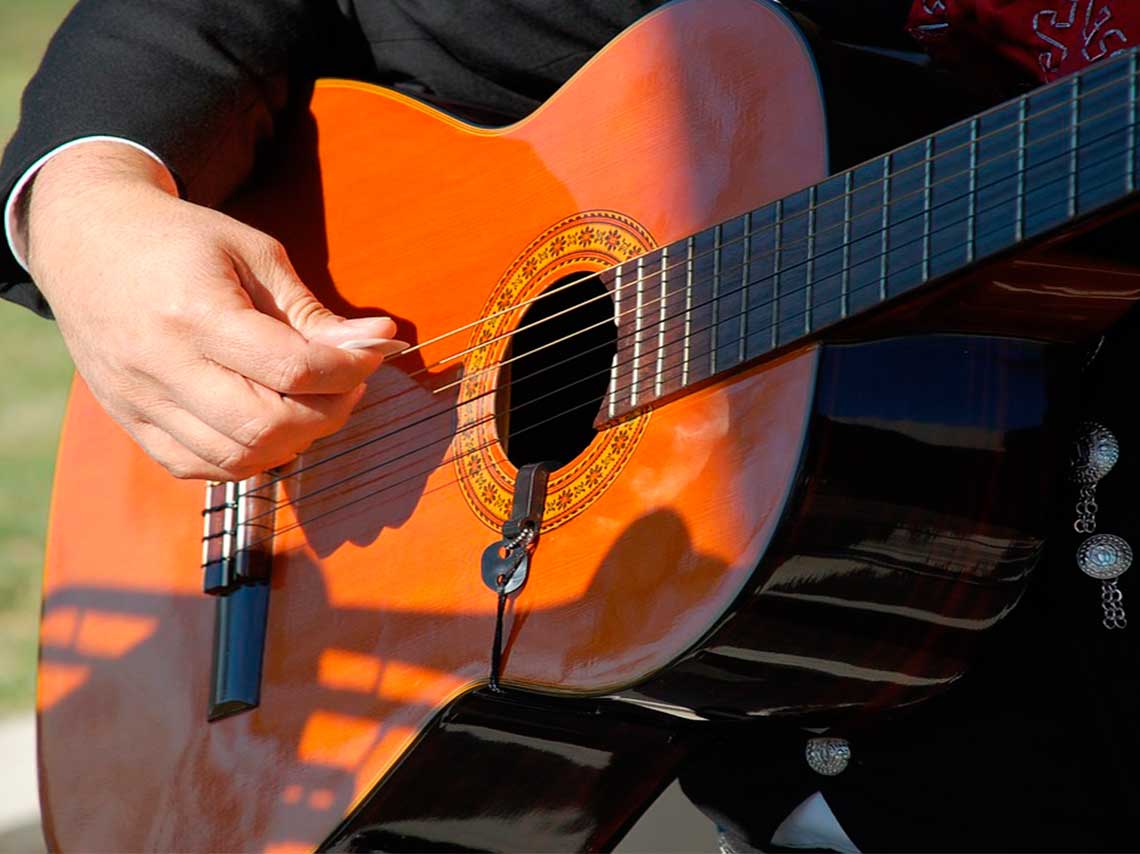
(236, 562)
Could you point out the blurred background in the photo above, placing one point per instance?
(32, 396)
(33, 391)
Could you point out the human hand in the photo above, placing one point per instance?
(190, 328)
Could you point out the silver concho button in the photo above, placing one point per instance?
(1095, 453)
(1104, 556)
(827, 756)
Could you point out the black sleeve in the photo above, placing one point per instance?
(199, 82)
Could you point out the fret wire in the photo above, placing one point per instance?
(658, 381)
(845, 276)
(927, 198)
(1074, 140)
(886, 220)
(972, 193)
(809, 270)
(614, 367)
(689, 245)
(715, 307)
(745, 267)
(638, 318)
(1130, 144)
(1019, 220)
(778, 213)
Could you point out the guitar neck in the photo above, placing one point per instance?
(784, 271)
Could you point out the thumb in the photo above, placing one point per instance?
(283, 295)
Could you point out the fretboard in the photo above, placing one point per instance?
(778, 274)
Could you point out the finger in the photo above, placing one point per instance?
(270, 353)
(275, 289)
(262, 421)
(334, 411)
(175, 457)
(223, 453)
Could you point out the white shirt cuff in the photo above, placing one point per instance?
(11, 208)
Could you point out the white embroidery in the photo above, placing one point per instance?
(1093, 34)
(934, 7)
(1102, 18)
(1045, 59)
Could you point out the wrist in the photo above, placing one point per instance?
(84, 184)
(101, 163)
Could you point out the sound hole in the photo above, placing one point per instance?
(556, 371)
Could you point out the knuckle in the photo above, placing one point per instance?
(271, 250)
(181, 310)
(244, 472)
(175, 310)
(335, 420)
(306, 311)
(295, 373)
(281, 460)
(254, 432)
(237, 462)
(183, 469)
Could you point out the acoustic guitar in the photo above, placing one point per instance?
(691, 430)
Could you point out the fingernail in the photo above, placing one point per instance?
(357, 329)
(385, 346)
(364, 322)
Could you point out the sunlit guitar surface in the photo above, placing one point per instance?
(794, 478)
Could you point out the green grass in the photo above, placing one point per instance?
(25, 27)
(32, 395)
(33, 390)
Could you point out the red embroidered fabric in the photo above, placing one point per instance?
(1046, 38)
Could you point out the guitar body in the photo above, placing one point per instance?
(644, 587)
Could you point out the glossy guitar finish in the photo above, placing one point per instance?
(378, 617)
